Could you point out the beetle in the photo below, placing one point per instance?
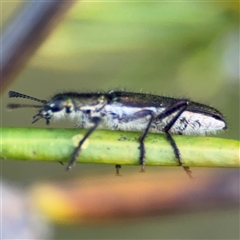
(129, 111)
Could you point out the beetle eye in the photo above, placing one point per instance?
(57, 106)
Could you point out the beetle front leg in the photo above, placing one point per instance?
(95, 121)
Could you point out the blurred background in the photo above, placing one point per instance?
(177, 49)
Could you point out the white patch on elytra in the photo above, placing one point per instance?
(198, 124)
(189, 123)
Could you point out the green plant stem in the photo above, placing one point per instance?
(115, 147)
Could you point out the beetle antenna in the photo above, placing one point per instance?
(13, 94)
(12, 106)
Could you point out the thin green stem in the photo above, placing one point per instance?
(115, 147)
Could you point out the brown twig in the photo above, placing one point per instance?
(25, 34)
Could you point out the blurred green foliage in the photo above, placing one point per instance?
(129, 42)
